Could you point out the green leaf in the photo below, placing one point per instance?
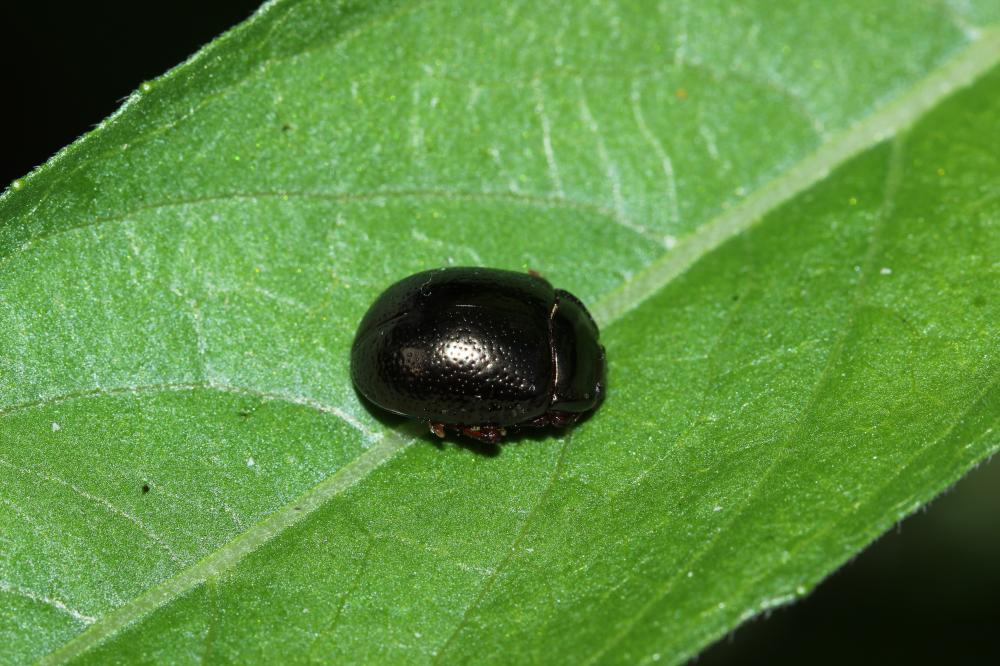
(786, 218)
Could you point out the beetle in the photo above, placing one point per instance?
(479, 351)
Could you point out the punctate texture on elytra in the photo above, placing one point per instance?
(478, 347)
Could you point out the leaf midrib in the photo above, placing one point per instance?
(389, 443)
(968, 66)
(902, 112)
(780, 452)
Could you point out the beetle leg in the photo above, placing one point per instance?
(437, 428)
(554, 418)
(487, 433)
(557, 419)
(537, 422)
(562, 419)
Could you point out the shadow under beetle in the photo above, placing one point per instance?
(479, 351)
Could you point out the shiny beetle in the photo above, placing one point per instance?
(479, 351)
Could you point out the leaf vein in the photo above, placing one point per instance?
(491, 580)
(807, 540)
(233, 552)
(27, 593)
(891, 120)
(338, 41)
(779, 458)
(518, 198)
(220, 387)
(103, 502)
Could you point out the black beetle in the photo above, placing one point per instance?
(479, 350)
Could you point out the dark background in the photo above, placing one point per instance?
(68, 65)
(927, 592)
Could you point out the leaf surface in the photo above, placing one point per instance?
(785, 216)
